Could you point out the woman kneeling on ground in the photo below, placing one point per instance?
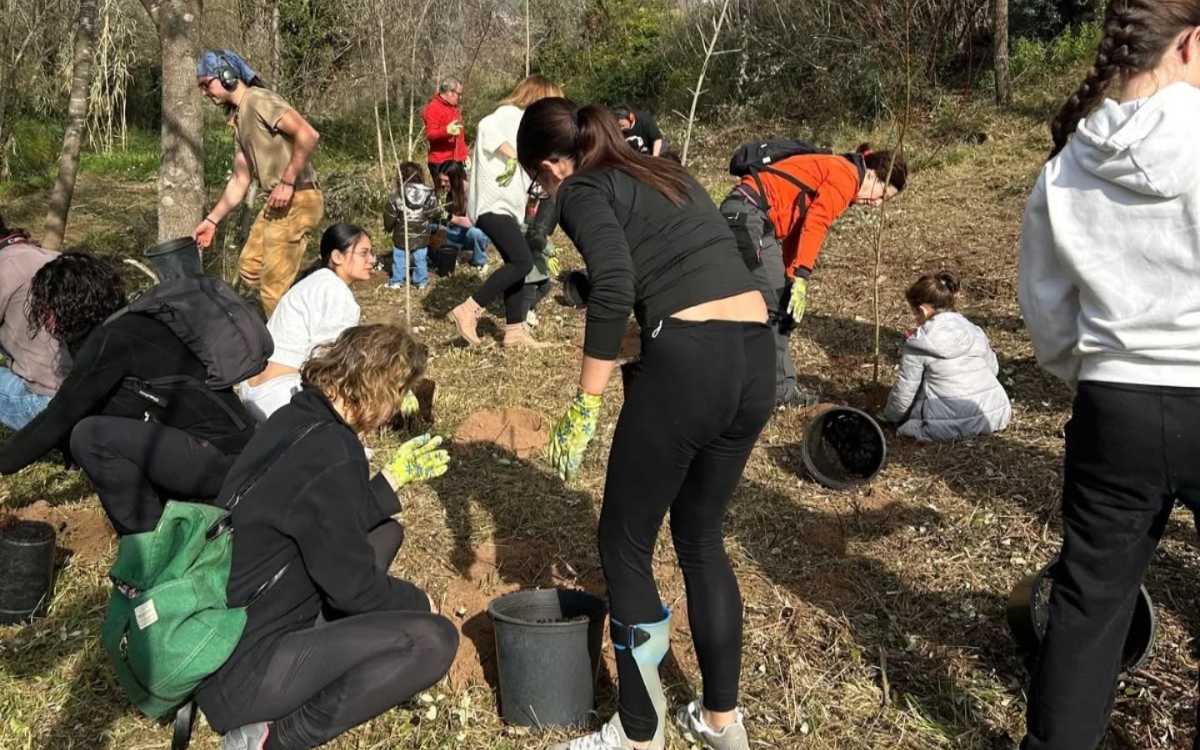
(318, 307)
(335, 641)
(139, 446)
(655, 244)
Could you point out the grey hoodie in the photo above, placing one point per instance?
(946, 387)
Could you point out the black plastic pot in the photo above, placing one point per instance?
(175, 258)
(547, 652)
(26, 570)
(1028, 614)
(843, 447)
(576, 288)
(445, 258)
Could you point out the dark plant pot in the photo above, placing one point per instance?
(576, 288)
(1028, 615)
(175, 258)
(445, 258)
(843, 447)
(547, 652)
(26, 570)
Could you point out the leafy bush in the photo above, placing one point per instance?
(36, 146)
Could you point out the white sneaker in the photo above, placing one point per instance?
(531, 319)
(732, 737)
(249, 737)
(610, 737)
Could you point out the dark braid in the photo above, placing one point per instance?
(1136, 35)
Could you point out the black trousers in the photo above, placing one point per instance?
(694, 407)
(509, 279)
(137, 466)
(1130, 456)
(322, 681)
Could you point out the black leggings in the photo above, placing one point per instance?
(694, 407)
(321, 682)
(137, 466)
(508, 279)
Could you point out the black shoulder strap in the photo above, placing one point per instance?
(181, 733)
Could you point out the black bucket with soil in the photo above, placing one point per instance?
(548, 645)
(1028, 615)
(445, 259)
(26, 569)
(176, 258)
(843, 447)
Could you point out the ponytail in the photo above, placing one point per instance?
(339, 237)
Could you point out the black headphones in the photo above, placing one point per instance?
(226, 74)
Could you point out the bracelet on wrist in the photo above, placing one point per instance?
(210, 221)
(289, 184)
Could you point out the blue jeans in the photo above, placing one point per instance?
(472, 238)
(18, 404)
(420, 266)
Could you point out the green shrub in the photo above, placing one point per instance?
(36, 146)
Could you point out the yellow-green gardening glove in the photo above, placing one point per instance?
(417, 460)
(510, 171)
(409, 405)
(552, 266)
(798, 301)
(571, 435)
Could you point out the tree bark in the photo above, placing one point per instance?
(1000, 52)
(68, 159)
(181, 196)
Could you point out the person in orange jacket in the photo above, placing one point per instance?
(781, 241)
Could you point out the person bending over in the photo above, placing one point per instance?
(655, 245)
(336, 641)
(640, 130)
(140, 447)
(318, 307)
(947, 387)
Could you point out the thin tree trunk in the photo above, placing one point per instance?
(1000, 53)
(68, 160)
(528, 37)
(708, 55)
(181, 195)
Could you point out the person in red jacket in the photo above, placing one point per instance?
(782, 229)
(444, 128)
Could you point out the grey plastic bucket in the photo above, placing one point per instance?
(26, 570)
(843, 447)
(175, 258)
(548, 645)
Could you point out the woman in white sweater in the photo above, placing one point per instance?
(1110, 291)
(318, 307)
(496, 204)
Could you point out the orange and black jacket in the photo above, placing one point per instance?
(802, 219)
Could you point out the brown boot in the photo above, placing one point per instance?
(466, 317)
(516, 336)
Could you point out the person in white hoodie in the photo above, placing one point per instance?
(946, 387)
(1110, 292)
(496, 204)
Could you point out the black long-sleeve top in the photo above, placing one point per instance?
(311, 511)
(645, 254)
(135, 346)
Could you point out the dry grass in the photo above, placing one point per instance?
(900, 584)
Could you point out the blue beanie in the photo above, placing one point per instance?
(211, 62)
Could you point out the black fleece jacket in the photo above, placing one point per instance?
(136, 346)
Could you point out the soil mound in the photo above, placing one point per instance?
(520, 431)
(82, 529)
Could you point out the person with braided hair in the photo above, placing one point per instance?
(1110, 259)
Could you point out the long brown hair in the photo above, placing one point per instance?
(530, 90)
(1136, 35)
(557, 127)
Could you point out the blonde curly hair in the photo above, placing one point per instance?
(366, 371)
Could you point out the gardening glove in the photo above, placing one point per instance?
(571, 435)
(510, 171)
(417, 460)
(552, 266)
(798, 300)
(454, 128)
(409, 405)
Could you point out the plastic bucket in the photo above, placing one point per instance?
(547, 652)
(1028, 615)
(26, 569)
(175, 258)
(445, 258)
(843, 447)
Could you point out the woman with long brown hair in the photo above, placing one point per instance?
(655, 245)
(1110, 268)
(496, 203)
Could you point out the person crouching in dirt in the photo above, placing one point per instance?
(335, 641)
(946, 387)
(789, 233)
(274, 145)
(138, 450)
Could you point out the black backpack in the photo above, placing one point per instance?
(752, 158)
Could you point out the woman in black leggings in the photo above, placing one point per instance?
(655, 244)
(335, 641)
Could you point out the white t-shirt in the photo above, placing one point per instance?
(313, 312)
(485, 196)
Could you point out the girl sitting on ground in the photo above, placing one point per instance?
(946, 387)
(410, 212)
(318, 307)
(461, 232)
(335, 641)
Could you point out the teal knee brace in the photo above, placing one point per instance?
(648, 644)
